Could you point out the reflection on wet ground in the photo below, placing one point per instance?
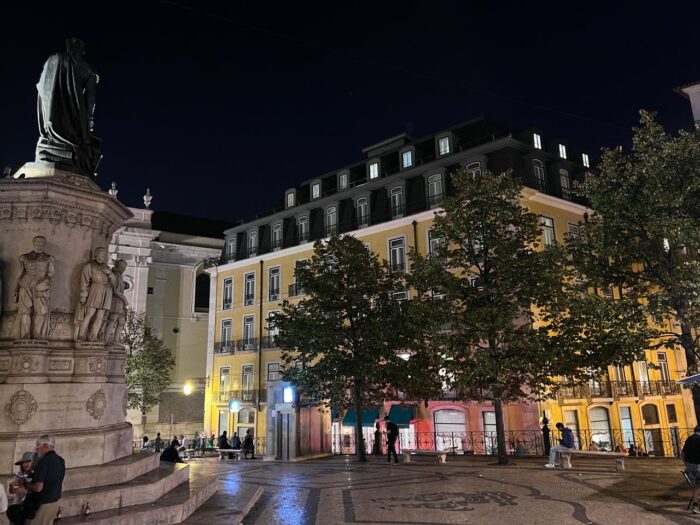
(465, 490)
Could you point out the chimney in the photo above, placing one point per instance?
(691, 92)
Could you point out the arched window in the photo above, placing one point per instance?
(276, 236)
(331, 221)
(252, 244)
(201, 293)
(362, 212)
(650, 414)
(474, 169)
(600, 428)
(435, 190)
(540, 177)
(303, 229)
(396, 197)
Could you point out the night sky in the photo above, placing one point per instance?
(218, 107)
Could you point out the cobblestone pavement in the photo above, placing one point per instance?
(470, 490)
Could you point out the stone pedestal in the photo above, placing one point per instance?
(73, 390)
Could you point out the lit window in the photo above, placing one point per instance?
(273, 371)
(474, 169)
(407, 159)
(547, 226)
(444, 145)
(585, 160)
(434, 190)
(565, 184)
(374, 170)
(537, 140)
(227, 295)
(226, 332)
(540, 178)
(315, 191)
(573, 230)
(230, 249)
(397, 255)
(562, 151)
(249, 289)
(252, 244)
(290, 200)
(274, 284)
(276, 236)
(303, 229)
(343, 181)
(396, 198)
(331, 222)
(362, 212)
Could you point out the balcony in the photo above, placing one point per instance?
(236, 347)
(274, 295)
(397, 267)
(435, 200)
(618, 389)
(398, 211)
(269, 341)
(331, 229)
(362, 221)
(249, 300)
(244, 396)
(304, 237)
(276, 244)
(295, 290)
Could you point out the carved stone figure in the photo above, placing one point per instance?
(117, 313)
(33, 292)
(96, 285)
(65, 106)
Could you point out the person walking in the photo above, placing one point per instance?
(691, 458)
(392, 434)
(565, 443)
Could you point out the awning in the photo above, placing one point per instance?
(402, 416)
(369, 416)
(690, 379)
(335, 413)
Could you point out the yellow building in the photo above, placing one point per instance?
(388, 200)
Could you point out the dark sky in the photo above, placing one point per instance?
(218, 107)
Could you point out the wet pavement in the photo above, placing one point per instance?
(470, 490)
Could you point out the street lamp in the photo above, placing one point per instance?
(234, 406)
(188, 388)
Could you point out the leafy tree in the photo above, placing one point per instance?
(149, 363)
(346, 331)
(643, 235)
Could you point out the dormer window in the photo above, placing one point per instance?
(230, 249)
(407, 159)
(291, 199)
(562, 151)
(537, 140)
(316, 190)
(342, 181)
(585, 160)
(374, 170)
(444, 145)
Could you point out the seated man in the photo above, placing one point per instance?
(170, 454)
(249, 444)
(236, 442)
(566, 443)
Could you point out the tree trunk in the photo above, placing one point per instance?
(500, 432)
(359, 438)
(687, 341)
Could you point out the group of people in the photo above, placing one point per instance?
(392, 434)
(37, 486)
(247, 445)
(172, 451)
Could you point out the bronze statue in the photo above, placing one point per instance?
(33, 292)
(65, 106)
(96, 288)
(117, 313)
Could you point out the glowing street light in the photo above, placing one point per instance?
(234, 406)
(187, 389)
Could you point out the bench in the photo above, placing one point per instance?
(224, 452)
(619, 457)
(440, 454)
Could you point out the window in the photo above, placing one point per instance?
(247, 384)
(331, 221)
(315, 191)
(671, 413)
(584, 159)
(397, 255)
(650, 415)
(407, 159)
(396, 198)
(627, 427)
(249, 289)
(571, 421)
(620, 374)
(291, 199)
(643, 373)
(573, 230)
(272, 331)
(362, 212)
(600, 428)
(444, 145)
(434, 190)
(226, 332)
(303, 229)
(274, 284)
(434, 244)
(277, 237)
(565, 184)
(224, 379)
(450, 426)
(490, 443)
(252, 244)
(230, 250)
(663, 367)
(295, 288)
(342, 181)
(227, 294)
(201, 292)
(474, 169)
(400, 296)
(246, 417)
(249, 331)
(547, 226)
(537, 140)
(273, 371)
(562, 151)
(374, 170)
(540, 177)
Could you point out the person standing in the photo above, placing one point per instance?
(691, 458)
(392, 434)
(47, 481)
(377, 447)
(158, 443)
(565, 443)
(248, 444)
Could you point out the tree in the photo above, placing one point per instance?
(345, 333)
(643, 235)
(149, 363)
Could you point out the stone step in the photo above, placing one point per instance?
(112, 473)
(226, 508)
(173, 507)
(144, 489)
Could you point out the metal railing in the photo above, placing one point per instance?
(276, 244)
(362, 221)
(617, 389)
(249, 300)
(295, 289)
(397, 267)
(435, 200)
(269, 341)
(242, 395)
(238, 346)
(398, 211)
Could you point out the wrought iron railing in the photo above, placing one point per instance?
(269, 341)
(295, 289)
(242, 395)
(398, 211)
(616, 389)
(276, 244)
(249, 300)
(239, 346)
(435, 200)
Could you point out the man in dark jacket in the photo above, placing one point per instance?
(392, 434)
(691, 458)
(249, 444)
(566, 443)
(170, 454)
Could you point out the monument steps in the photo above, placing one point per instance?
(112, 473)
(144, 489)
(174, 507)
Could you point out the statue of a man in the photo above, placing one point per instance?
(96, 288)
(33, 292)
(117, 313)
(65, 106)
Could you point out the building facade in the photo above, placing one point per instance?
(165, 279)
(388, 200)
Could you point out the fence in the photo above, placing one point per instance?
(648, 442)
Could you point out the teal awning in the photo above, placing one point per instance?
(402, 416)
(369, 416)
(335, 413)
